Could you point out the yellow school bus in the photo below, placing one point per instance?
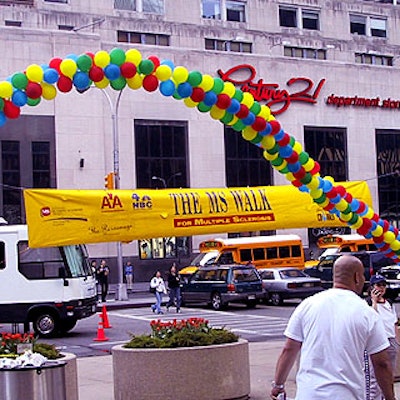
(261, 251)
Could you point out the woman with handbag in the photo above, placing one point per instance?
(157, 286)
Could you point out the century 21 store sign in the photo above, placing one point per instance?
(300, 89)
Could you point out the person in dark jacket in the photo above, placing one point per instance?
(174, 286)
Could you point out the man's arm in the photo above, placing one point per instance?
(384, 373)
(284, 365)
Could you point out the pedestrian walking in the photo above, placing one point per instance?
(174, 286)
(129, 275)
(103, 272)
(388, 316)
(157, 285)
(331, 330)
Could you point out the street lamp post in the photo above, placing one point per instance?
(163, 181)
(121, 293)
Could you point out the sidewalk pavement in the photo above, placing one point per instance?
(95, 374)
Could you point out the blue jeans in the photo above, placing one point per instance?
(174, 293)
(157, 306)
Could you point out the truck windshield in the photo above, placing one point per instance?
(77, 260)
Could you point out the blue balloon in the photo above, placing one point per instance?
(210, 98)
(295, 167)
(169, 63)
(19, 98)
(234, 107)
(3, 118)
(327, 186)
(249, 120)
(285, 151)
(279, 135)
(72, 57)
(184, 89)
(112, 72)
(51, 75)
(336, 199)
(167, 88)
(321, 183)
(81, 80)
(304, 188)
(354, 205)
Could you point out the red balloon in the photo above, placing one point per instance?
(155, 60)
(275, 127)
(332, 193)
(243, 112)
(300, 173)
(64, 84)
(150, 83)
(55, 63)
(33, 90)
(386, 225)
(128, 70)
(385, 247)
(316, 169)
(348, 197)
(375, 217)
(390, 254)
(223, 101)
(284, 141)
(198, 94)
(365, 227)
(361, 207)
(11, 110)
(293, 158)
(91, 55)
(96, 74)
(329, 207)
(259, 124)
(296, 183)
(378, 239)
(341, 190)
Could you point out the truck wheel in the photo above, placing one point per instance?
(276, 299)
(67, 325)
(45, 324)
(216, 301)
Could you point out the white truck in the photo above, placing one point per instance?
(50, 287)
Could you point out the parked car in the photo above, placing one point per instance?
(288, 283)
(392, 275)
(223, 284)
(373, 261)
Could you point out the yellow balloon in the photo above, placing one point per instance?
(248, 99)
(68, 67)
(270, 157)
(395, 245)
(207, 83)
(369, 214)
(233, 121)
(324, 203)
(216, 112)
(34, 73)
(102, 59)
(389, 237)
(180, 74)
(357, 224)
(163, 72)
(268, 142)
(229, 89)
(342, 205)
(297, 147)
(265, 112)
(49, 92)
(282, 166)
(377, 231)
(249, 133)
(309, 165)
(189, 102)
(330, 179)
(102, 84)
(346, 217)
(316, 193)
(313, 185)
(6, 89)
(289, 176)
(134, 56)
(136, 82)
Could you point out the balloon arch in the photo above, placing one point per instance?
(222, 100)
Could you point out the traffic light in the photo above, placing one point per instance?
(109, 181)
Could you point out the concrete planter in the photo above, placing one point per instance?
(219, 372)
(71, 376)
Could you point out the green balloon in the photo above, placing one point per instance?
(238, 126)
(226, 118)
(284, 170)
(347, 210)
(119, 83)
(203, 107)
(353, 219)
(33, 102)
(277, 161)
(307, 179)
(273, 150)
(195, 78)
(238, 95)
(84, 62)
(257, 139)
(218, 85)
(320, 199)
(1, 104)
(19, 80)
(177, 97)
(117, 56)
(146, 67)
(292, 141)
(255, 108)
(303, 157)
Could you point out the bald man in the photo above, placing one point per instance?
(331, 330)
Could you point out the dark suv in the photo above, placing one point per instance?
(223, 284)
(373, 261)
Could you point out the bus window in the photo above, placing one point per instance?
(258, 254)
(361, 247)
(346, 249)
(272, 252)
(2, 255)
(226, 258)
(296, 251)
(245, 255)
(284, 252)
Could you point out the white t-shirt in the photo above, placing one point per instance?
(335, 327)
(388, 316)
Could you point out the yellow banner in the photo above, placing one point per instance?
(61, 217)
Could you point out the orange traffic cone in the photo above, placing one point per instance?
(101, 337)
(106, 324)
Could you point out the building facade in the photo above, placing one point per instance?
(329, 70)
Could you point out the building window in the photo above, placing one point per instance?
(153, 6)
(129, 5)
(41, 164)
(19, 2)
(235, 11)
(65, 27)
(288, 17)
(304, 52)
(244, 163)
(228, 45)
(374, 59)
(57, 1)
(143, 38)
(367, 26)
(17, 24)
(310, 20)
(161, 162)
(388, 174)
(211, 9)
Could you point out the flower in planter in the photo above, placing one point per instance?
(182, 333)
